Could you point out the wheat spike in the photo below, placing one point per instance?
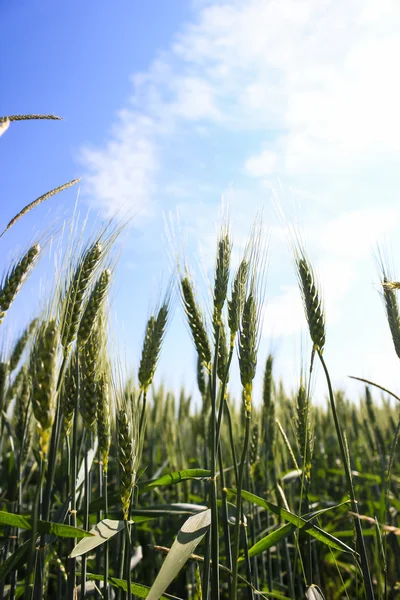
(304, 430)
(126, 457)
(153, 338)
(43, 377)
(254, 457)
(391, 285)
(93, 307)
(236, 304)
(223, 355)
(103, 418)
(248, 349)
(4, 369)
(269, 404)
(22, 408)
(201, 377)
(392, 314)
(73, 301)
(196, 323)
(30, 117)
(68, 394)
(302, 420)
(312, 302)
(89, 365)
(15, 278)
(221, 278)
(20, 345)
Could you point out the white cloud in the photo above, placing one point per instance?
(121, 176)
(194, 100)
(341, 252)
(261, 165)
(353, 235)
(316, 77)
(284, 314)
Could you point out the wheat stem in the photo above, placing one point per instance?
(354, 504)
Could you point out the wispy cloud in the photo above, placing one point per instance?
(316, 79)
(122, 176)
(261, 165)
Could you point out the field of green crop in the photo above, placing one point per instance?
(113, 488)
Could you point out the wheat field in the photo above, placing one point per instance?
(112, 487)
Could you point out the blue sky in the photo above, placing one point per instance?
(171, 106)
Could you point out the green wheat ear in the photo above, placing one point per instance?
(238, 297)
(254, 457)
(201, 377)
(22, 409)
(312, 301)
(196, 322)
(75, 295)
(154, 335)
(4, 370)
(93, 307)
(248, 349)
(43, 377)
(304, 429)
(269, 404)
(90, 360)
(221, 278)
(68, 393)
(126, 456)
(103, 418)
(14, 279)
(392, 312)
(20, 345)
(223, 355)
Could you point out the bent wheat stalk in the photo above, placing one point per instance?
(38, 201)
